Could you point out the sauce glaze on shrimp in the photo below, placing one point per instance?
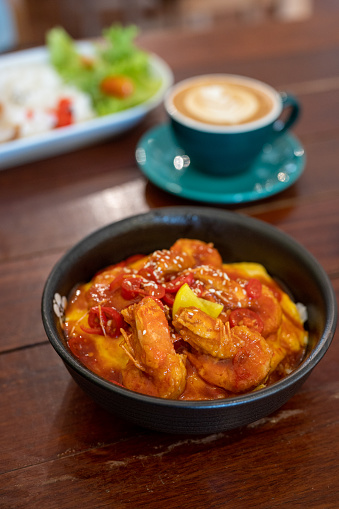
(181, 324)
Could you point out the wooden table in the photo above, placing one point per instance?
(57, 448)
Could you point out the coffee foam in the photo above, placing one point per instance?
(222, 101)
(221, 104)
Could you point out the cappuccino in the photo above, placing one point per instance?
(223, 101)
(222, 121)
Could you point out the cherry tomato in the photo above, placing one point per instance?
(247, 317)
(64, 113)
(253, 288)
(118, 86)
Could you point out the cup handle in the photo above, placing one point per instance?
(288, 102)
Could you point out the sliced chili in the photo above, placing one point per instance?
(148, 273)
(154, 290)
(174, 285)
(104, 320)
(92, 330)
(132, 286)
(116, 283)
(114, 322)
(168, 299)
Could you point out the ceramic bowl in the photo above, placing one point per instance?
(238, 238)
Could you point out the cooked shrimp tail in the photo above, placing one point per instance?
(161, 371)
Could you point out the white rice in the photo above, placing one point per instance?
(302, 310)
(29, 96)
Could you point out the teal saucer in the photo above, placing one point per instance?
(165, 164)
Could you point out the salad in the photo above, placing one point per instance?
(116, 76)
(71, 87)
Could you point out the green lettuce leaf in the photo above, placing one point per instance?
(115, 55)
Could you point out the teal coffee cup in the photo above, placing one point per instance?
(222, 121)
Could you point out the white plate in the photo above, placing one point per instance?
(68, 138)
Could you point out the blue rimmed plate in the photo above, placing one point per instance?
(165, 164)
(75, 136)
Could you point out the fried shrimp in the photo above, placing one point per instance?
(178, 323)
(234, 358)
(184, 254)
(150, 349)
(246, 370)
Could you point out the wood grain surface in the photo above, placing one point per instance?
(57, 448)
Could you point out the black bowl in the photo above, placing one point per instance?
(238, 238)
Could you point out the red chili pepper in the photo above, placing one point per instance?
(148, 273)
(168, 299)
(114, 321)
(132, 286)
(104, 320)
(174, 285)
(64, 113)
(154, 290)
(92, 330)
(247, 317)
(116, 283)
(253, 288)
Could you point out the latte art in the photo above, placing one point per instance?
(222, 103)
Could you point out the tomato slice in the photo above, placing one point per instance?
(117, 86)
(247, 317)
(64, 112)
(253, 288)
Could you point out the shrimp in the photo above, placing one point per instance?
(160, 370)
(202, 252)
(220, 287)
(235, 359)
(184, 254)
(269, 310)
(233, 295)
(245, 371)
(211, 335)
